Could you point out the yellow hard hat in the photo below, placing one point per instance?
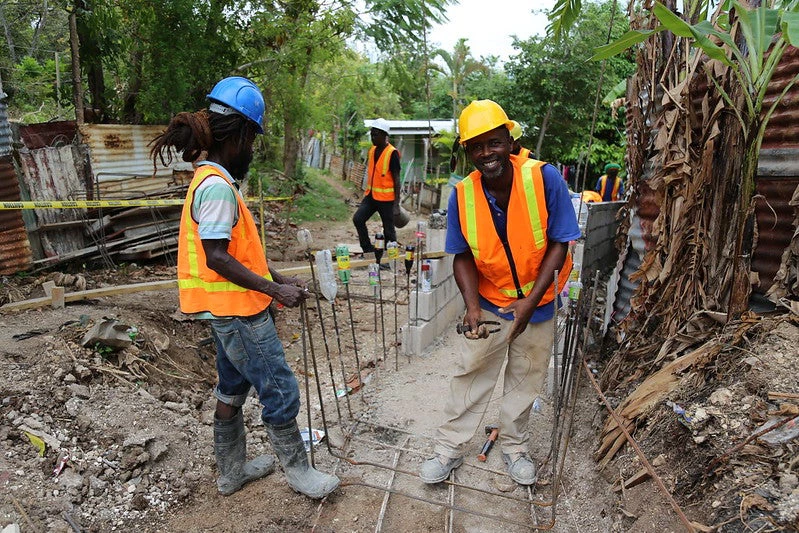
(481, 116)
(516, 130)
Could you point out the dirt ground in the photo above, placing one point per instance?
(130, 431)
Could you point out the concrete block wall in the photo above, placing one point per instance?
(438, 309)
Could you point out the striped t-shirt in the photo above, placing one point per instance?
(215, 207)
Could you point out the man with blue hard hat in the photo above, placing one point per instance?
(224, 278)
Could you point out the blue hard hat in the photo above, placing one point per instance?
(238, 95)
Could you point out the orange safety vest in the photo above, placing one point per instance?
(527, 235)
(202, 289)
(525, 153)
(614, 194)
(381, 180)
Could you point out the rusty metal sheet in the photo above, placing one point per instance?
(9, 184)
(119, 152)
(15, 249)
(774, 226)
(35, 136)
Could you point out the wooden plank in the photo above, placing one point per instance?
(57, 294)
(94, 293)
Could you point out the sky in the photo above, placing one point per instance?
(489, 24)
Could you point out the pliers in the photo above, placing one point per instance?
(463, 328)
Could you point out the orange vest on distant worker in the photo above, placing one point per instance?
(526, 234)
(200, 288)
(614, 194)
(380, 180)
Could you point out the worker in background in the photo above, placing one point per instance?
(518, 149)
(382, 194)
(224, 278)
(508, 224)
(609, 185)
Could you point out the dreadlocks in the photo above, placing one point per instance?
(195, 133)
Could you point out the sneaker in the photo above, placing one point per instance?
(435, 471)
(520, 468)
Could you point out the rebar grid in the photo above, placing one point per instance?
(576, 330)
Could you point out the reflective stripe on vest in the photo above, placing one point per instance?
(202, 289)
(380, 184)
(525, 153)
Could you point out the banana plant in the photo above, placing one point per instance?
(744, 46)
(766, 32)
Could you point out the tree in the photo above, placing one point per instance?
(552, 88)
(457, 67)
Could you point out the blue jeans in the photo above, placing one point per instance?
(249, 354)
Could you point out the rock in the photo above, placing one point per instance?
(69, 378)
(97, 485)
(177, 407)
(788, 481)
(11, 528)
(70, 480)
(81, 391)
(139, 502)
(32, 422)
(156, 449)
(722, 396)
(73, 406)
(138, 439)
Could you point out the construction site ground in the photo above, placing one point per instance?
(130, 431)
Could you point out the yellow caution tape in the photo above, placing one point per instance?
(90, 204)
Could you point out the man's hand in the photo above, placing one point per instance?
(290, 295)
(475, 331)
(295, 282)
(396, 210)
(522, 310)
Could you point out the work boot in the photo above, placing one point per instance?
(290, 450)
(520, 468)
(230, 447)
(437, 469)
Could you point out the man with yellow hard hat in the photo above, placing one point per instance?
(508, 224)
(517, 148)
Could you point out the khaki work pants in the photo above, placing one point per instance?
(475, 378)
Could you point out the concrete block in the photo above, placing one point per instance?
(442, 269)
(435, 240)
(417, 338)
(430, 303)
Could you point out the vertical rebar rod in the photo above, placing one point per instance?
(382, 316)
(341, 358)
(396, 318)
(354, 341)
(317, 290)
(307, 385)
(316, 376)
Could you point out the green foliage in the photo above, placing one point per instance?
(552, 87)
(320, 201)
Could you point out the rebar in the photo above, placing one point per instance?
(324, 335)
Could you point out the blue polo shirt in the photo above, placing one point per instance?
(561, 227)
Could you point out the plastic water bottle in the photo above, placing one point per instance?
(393, 250)
(305, 239)
(327, 279)
(427, 276)
(343, 260)
(374, 274)
(574, 290)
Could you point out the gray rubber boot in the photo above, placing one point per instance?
(290, 450)
(230, 447)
